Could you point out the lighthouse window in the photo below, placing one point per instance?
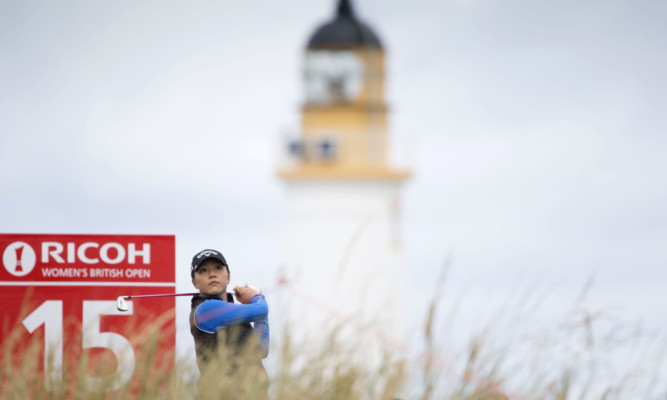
(296, 148)
(327, 149)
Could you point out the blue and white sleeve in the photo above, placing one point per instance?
(213, 315)
(262, 332)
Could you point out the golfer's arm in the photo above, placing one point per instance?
(262, 332)
(213, 315)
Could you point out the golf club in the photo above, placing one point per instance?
(121, 305)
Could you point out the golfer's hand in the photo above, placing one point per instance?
(245, 293)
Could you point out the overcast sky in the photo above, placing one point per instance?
(535, 130)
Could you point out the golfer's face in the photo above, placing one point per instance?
(211, 278)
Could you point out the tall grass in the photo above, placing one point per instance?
(588, 356)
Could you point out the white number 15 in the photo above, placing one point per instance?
(50, 314)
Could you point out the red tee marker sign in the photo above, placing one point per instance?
(62, 290)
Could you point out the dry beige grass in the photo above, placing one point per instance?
(332, 373)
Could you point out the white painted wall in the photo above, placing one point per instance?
(344, 251)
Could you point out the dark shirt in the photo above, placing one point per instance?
(214, 322)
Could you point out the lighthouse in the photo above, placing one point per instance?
(343, 193)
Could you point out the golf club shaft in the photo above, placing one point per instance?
(121, 305)
(160, 295)
(165, 295)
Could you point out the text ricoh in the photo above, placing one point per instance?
(93, 253)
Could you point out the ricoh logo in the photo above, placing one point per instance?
(19, 259)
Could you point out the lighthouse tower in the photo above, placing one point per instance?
(343, 194)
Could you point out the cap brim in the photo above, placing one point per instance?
(194, 268)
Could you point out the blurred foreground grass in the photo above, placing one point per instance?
(588, 356)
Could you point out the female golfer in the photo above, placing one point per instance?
(229, 349)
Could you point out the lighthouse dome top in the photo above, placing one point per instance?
(345, 30)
